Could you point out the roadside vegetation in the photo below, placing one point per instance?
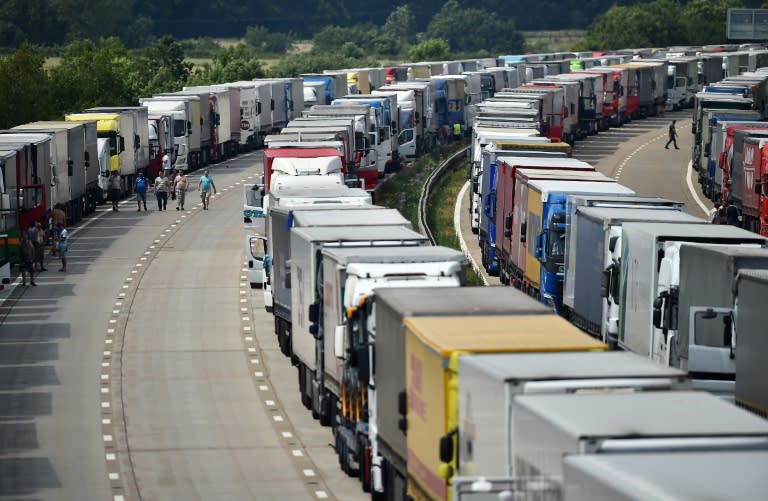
(401, 191)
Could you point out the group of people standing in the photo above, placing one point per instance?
(166, 183)
(34, 242)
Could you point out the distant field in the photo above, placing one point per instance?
(552, 41)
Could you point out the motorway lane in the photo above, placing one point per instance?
(133, 375)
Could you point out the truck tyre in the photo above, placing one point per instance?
(325, 411)
(306, 400)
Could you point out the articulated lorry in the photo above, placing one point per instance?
(501, 204)
(291, 158)
(75, 180)
(27, 178)
(682, 476)
(694, 309)
(222, 124)
(433, 349)
(350, 280)
(651, 268)
(323, 88)
(751, 341)
(187, 154)
(382, 320)
(305, 266)
(593, 251)
(549, 427)
(490, 384)
(536, 228)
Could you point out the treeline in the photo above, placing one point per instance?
(661, 23)
(138, 23)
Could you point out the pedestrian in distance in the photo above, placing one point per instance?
(27, 258)
(39, 244)
(180, 185)
(205, 185)
(114, 189)
(162, 185)
(58, 217)
(672, 135)
(62, 246)
(732, 214)
(140, 188)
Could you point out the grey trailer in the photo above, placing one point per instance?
(752, 342)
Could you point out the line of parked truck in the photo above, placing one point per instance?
(434, 390)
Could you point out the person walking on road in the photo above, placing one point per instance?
(141, 190)
(180, 185)
(39, 244)
(732, 214)
(62, 246)
(27, 257)
(114, 189)
(58, 216)
(204, 185)
(161, 191)
(672, 135)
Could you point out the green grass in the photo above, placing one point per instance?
(552, 41)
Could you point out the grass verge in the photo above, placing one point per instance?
(402, 190)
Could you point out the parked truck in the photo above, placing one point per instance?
(186, 135)
(502, 204)
(751, 345)
(27, 177)
(350, 280)
(682, 475)
(76, 180)
(323, 88)
(549, 427)
(490, 384)
(718, 153)
(651, 268)
(593, 244)
(305, 267)
(222, 125)
(384, 319)
(433, 348)
(292, 158)
(694, 311)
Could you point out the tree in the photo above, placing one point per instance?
(268, 42)
(26, 88)
(90, 75)
(473, 30)
(162, 68)
(657, 23)
(239, 62)
(433, 49)
(705, 20)
(35, 21)
(401, 25)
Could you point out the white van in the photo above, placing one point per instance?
(255, 248)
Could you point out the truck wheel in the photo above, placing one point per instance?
(363, 459)
(306, 400)
(325, 411)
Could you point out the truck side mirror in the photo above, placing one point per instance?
(605, 283)
(658, 303)
(87, 158)
(189, 127)
(314, 312)
(758, 187)
(338, 341)
(508, 221)
(218, 119)
(402, 409)
(612, 243)
(287, 280)
(122, 144)
(70, 168)
(446, 448)
(538, 252)
(523, 232)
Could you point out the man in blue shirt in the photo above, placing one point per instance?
(205, 185)
(141, 190)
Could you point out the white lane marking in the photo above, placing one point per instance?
(287, 434)
(309, 473)
(695, 195)
(105, 364)
(106, 421)
(105, 405)
(255, 361)
(105, 390)
(107, 353)
(110, 331)
(247, 328)
(248, 338)
(246, 319)
(270, 403)
(252, 350)
(118, 498)
(264, 387)
(114, 476)
(457, 229)
(107, 438)
(297, 453)
(243, 300)
(108, 341)
(321, 494)
(278, 419)
(111, 457)
(105, 377)
(258, 374)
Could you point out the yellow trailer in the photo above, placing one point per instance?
(433, 346)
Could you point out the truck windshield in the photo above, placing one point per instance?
(112, 137)
(179, 128)
(556, 245)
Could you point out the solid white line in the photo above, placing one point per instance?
(693, 192)
(457, 229)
